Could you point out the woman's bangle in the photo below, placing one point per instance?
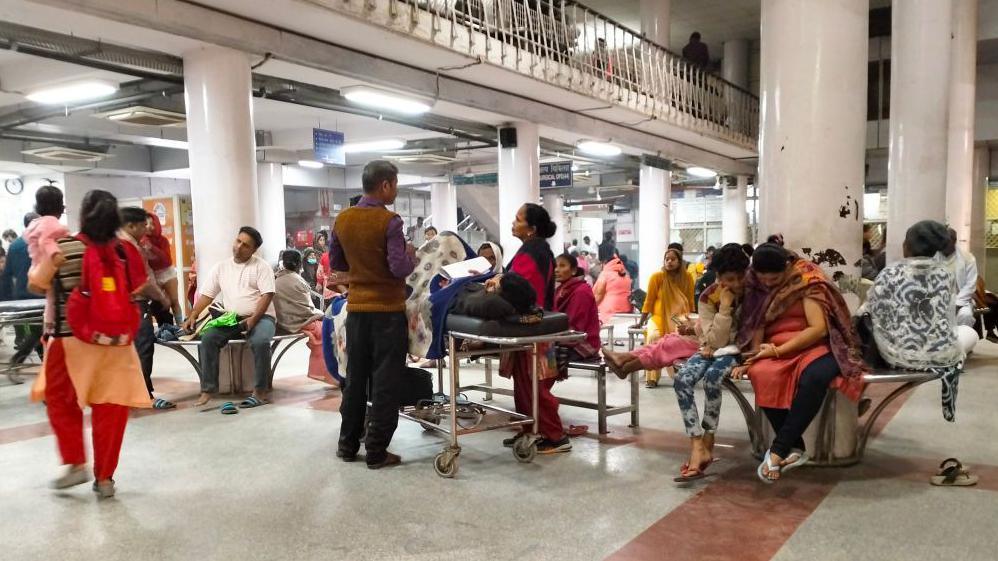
(776, 351)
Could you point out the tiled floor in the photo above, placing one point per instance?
(264, 484)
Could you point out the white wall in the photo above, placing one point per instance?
(14, 207)
(122, 187)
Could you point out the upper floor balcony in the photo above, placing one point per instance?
(564, 44)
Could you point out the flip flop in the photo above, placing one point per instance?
(770, 467)
(251, 402)
(228, 408)
(577, 430)
(161, 403)
(697, 473)
(953, 474)
(802, 458)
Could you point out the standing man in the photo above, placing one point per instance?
(134, 226)
(368, 242)
(246, 286)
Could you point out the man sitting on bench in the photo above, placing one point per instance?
(246, 286)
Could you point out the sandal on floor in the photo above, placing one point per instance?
(577, 430)
(802, 458)
(251, 402)
(687, 474)
(770, 467)
(228, 408)
(953, 474)
(161, 403)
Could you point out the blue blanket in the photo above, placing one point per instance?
(441, 300)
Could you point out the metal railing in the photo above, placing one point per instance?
(566, 44)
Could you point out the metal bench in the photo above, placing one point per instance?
(603, 410)
(835, 438)
(17, 313)
(235, 381)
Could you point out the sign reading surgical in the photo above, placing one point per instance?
(556, 174)
(328, 147)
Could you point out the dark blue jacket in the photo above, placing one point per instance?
(15, 275)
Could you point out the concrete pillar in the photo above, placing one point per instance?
(920, 76)
(443, 206)
(734, 224)
(812, 144)
(519, 181)
(655, 21)
(978, 207)
(555, 205)
(654, 194)
(221, 150)
(960, 186)
(735, 64)
(270, 190)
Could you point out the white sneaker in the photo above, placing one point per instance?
(74, 476)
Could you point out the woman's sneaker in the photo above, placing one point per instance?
(104, 489)
(74, 476)
(546, 446)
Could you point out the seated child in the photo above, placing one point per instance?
(157, 248)
(42, 236)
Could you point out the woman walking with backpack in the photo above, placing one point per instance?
(89, 356)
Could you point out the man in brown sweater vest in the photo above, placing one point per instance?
(367, 241)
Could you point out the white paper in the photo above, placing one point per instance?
(730, 350)
(468, 268)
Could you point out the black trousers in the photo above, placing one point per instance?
(376, 346)
(145, 345)
(790, 424)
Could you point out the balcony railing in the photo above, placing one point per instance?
(566, 44)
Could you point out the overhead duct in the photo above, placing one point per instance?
(76, 50)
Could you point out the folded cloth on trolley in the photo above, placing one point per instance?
(550, 323)
(14, 309)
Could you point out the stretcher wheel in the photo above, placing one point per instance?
(524, 450)
(445, 464)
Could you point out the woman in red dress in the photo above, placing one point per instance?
(534, 261)
(801, 328)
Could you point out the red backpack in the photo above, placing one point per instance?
(100, 310)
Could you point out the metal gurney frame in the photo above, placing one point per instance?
(524, 449)
(23, 317)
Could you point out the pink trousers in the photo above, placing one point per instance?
(666, 351)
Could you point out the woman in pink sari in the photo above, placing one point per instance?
(613, 290)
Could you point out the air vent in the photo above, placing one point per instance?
(430, 159)
(144, 116)
(63, 154)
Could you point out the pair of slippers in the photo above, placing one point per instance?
(230, 408)
(952, 474)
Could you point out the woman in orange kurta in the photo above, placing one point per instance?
(77, 373)
(802, 331)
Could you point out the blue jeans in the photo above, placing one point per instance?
(259, 340)
(712, 371)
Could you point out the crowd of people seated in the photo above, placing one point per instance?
(763, 314)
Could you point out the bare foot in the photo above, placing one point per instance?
(202, 399)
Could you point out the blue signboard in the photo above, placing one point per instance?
(556, 174)
(328, 146)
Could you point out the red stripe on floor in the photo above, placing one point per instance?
(737, 516)
(24, 432)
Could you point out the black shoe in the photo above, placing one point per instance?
(546, 446)
(346, 456)
(509, 442)
(388, 461)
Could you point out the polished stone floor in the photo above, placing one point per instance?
(264, 484)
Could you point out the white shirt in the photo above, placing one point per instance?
(241, 285)
(963, 266)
